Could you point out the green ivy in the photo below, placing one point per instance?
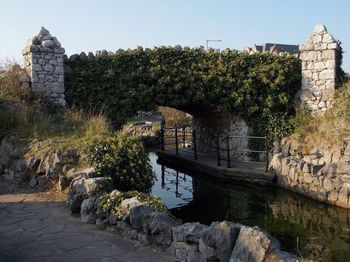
(257, 87)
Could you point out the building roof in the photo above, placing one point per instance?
(273, 48)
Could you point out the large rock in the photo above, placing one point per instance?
(275, 164)
(91, 186)
(255, 245)
(20, 165)
(126, 205)
(221, 237)
(188, 252)
(252, 245)
(88, 209)
(33, 163)
(6, 150)
(81, 188)
(159, 225)
(189, 232)
(139, 215)
(97, 185)
(74, 201)
(9, 174)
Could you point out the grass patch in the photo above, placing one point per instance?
(31, 118)
(326, 131)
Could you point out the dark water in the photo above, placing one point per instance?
(303, 226)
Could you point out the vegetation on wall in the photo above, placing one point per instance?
(340, 74)
(259, 87)
(327, 131)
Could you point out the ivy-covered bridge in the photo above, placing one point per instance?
(226, 92)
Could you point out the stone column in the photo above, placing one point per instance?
(318, 56)
(43, 61)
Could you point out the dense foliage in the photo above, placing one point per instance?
(124, 159)
(257, 87)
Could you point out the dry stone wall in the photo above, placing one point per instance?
(321, 174)
(318, 56)
(43, 61)
(211, 124)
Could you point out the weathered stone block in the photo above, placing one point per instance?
(343, 167)
(332, 197)
(328, 54)
(328, 184)
(308, 56)
(327, 74)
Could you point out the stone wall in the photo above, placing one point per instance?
(318, 56)
(322, 174)
(43, 169)
(192, 242)
(43, 61)
(212, 123)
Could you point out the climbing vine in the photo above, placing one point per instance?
(258, 87)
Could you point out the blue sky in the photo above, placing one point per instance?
(89, 25)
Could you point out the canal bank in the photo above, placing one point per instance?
(303, 226)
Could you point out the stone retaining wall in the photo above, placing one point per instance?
(221, 241)
(322, 174)
(43, 170)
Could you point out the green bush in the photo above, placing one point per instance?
(124, 159)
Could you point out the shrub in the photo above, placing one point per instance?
(124, 159)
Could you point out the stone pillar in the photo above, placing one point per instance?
(43, 61)
(318, 56)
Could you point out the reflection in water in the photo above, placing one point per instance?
(303, 226)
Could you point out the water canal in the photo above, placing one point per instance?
(303, 226)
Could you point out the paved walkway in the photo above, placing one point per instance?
(36, 227)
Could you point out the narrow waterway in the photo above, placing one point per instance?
(303, 226)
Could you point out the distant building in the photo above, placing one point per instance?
(273, 48)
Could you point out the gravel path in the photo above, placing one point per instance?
(38, 227)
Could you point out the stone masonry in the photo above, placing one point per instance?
(318, 56)
(43, 61)
(213, 123)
